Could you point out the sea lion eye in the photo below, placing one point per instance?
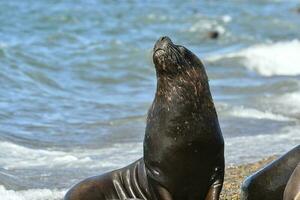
(181, 49)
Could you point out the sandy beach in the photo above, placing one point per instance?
(234, 176)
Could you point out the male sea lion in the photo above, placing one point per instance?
(183, 146)
(269, 182)
(292, 189)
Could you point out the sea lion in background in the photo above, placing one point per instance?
(292, 189)
(213, 34)
(183, 145)
(269, 182)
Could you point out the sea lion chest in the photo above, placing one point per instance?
(183, 141)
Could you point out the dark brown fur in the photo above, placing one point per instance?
(183, 146)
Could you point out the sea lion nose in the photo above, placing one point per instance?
(164, 38)
(162, 42)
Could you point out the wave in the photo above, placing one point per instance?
(31, 194)
(281, 58)
(23, 157)
(289, 104)
(260, 146)
(257, 114)
(15, 156)
(206, 26)
(202, 25)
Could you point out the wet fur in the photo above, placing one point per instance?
(183, 146)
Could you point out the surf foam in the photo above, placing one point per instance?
(204, 25)
(13, 156)
(289, 104)
(260, 146)
(281, 58)
(257, 114)
(31, 194)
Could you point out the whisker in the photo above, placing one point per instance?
(176, 53)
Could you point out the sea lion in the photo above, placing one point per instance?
(213, 34)
(183, 145)
(269, 182)
(292, 189)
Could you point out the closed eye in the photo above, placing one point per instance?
(181, 49)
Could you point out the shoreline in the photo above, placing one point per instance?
(235, 175)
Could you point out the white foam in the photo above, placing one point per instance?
(200, 26)
(220, 29)
(31, 194)
(13, 156)
(226, 18)
(246, 149)
(288, 103)
(205, 25)
(281, 58)
(292, 99)
(257, 114)
(16, 156)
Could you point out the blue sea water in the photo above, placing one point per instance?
(77, 79)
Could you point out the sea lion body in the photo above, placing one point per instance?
(126, 183)
(183, 146)
(292, 189)
(269, 182)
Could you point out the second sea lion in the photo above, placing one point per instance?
(269, 182)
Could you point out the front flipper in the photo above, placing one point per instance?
(215, 190)
(216, 187)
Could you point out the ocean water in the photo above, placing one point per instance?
(77, 79)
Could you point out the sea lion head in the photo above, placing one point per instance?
(171, 59)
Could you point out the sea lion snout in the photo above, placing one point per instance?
(162, 43)
(166, 56)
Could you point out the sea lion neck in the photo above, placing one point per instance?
(188, 84)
